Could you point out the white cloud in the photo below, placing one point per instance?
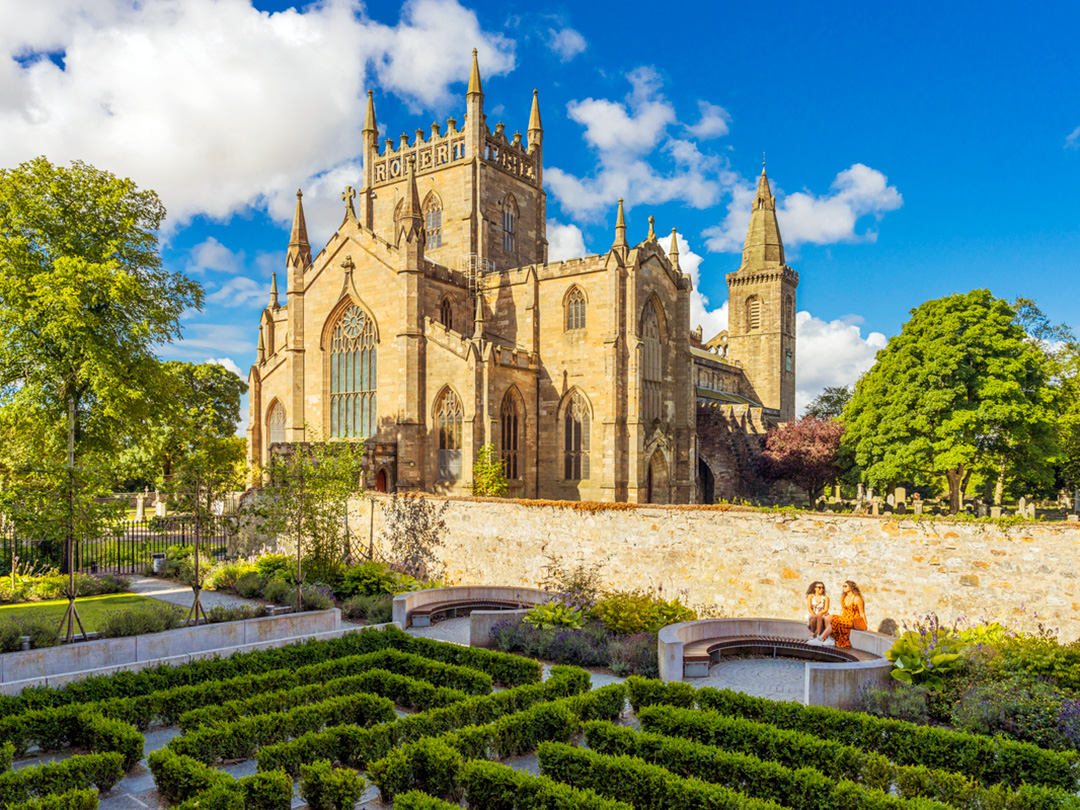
(226, 363)
(240, 291)
(630, 138)
(831, 353)
(214, 104)
(202, 340)
(1072, 140)
(564, 241)
(714, 123)
(210, 254)
(806, 218)
(566, 43)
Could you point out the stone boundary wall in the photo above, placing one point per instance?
(746, 563)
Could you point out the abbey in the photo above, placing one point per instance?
(432, 324)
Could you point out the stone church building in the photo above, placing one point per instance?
(432, 324)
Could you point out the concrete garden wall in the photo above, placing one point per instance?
(55, 666)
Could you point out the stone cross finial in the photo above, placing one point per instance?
(347, 263)
(348, 195)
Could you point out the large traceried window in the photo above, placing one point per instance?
(433, 221)
(652, 365)
(275, 424)
(352, 375)
(576, 439)
(446, 313)
(511, 432)
(510, 215)
(448, 419)
(753, 313)
(575, 309)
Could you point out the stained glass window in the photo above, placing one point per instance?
(353, 376)
(576, 439)
(448, 419)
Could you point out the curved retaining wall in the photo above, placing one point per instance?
(406, 603)
(824, 684)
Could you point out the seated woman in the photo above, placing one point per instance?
(817, 603)
(838, 633)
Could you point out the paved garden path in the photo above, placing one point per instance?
(176, 593)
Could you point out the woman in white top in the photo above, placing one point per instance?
(817, 603)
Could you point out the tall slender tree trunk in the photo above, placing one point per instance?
(957, 479)
(999, 487)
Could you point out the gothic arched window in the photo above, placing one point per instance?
(652, 364)
(510, 214)
(576, 438)
(511, 432)
(433, 220)
(448, 419)
(753, 313)
(575, 309)
(352, 375)
(275, 424)
(446, 313)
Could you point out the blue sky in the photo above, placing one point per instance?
(916, 151)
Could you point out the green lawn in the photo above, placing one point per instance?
(91, 608)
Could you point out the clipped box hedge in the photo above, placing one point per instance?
(41, 781)
(796, 788)
(68, 800)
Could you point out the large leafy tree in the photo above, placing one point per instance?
(83, 298)
(960, 388)
(195, 399)
(804, 452)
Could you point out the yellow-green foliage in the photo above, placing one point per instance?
(554, 614)
(628, 612)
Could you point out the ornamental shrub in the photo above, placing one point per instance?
(7, 755)
(327, 788)
(69, 800)
(554, 614)
(139, 619)
(279, 591)
(280, 566)
(634, 655)
(896, 701)
(317, 597)
(630, 612)
(1019, 708)
(377, 609)
(249, 586)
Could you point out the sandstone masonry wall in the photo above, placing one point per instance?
(745, 563)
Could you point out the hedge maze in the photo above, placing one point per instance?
(432, 725)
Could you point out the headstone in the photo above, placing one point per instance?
(918, 506)
(1074, 518)
(869, 493)
(995, 512)
(1076, 501)
(1031, 511)
(140, 507)
(1021, 508)
(836, 492)
(860, 496)
(890, 499)
(981, 510)
(159, 507)
(877, 506)
(900, 495)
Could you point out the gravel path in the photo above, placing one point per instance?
(176, 593)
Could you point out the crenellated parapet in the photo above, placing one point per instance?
(432, 153)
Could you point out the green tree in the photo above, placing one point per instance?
(489, 475)
(959, 388)
(830, 403)
(196, 398)
(310, 486)
(83, 297)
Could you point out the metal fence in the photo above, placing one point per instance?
(127, 550)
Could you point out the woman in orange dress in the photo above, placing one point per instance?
(838, 633)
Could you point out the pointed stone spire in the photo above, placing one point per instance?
(411, 224)
(673, 253)
(299, 249)
(620, 228)
(763, 246)
(475, 87)
(534, 117)
(652, 229)
(369, 119)
(262, 346)
(273, 291)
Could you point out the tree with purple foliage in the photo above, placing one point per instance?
(804, 452)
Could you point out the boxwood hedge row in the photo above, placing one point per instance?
(43, 781)
(796, 788)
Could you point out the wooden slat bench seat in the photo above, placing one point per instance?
(422, 616)
(699, 655)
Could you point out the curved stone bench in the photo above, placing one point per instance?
(483, 602)
(833, 677)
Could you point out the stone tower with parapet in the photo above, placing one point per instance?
(479, 179)
(761, 309)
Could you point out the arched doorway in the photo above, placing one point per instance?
(656, 480)
(381, 483)
(706, 482)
